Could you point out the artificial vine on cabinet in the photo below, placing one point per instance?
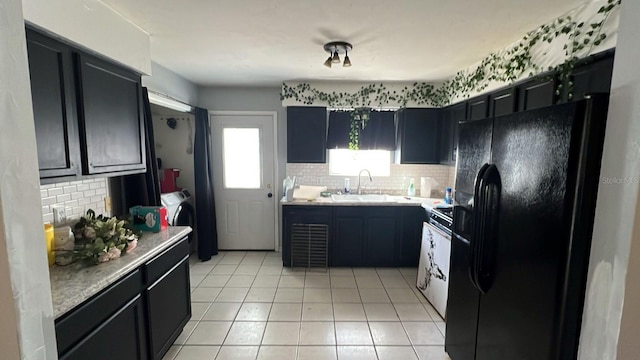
(505, 66)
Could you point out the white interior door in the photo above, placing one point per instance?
(243, 180)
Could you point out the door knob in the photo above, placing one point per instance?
(270, 195)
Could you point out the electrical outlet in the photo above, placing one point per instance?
(107, 203)
(59, 214)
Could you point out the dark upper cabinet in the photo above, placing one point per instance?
(451, 117)
(502, 102)
(478, 108)
(87, 112)
(537, 93)
(418, 136)
(111, 118)
(306, 134)
(53, 96)
(592, 77)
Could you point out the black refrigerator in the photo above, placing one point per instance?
(525, 194)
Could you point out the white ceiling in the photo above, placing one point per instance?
(266, 42)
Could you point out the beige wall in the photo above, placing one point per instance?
(8, 326)
(614, 261)
(628, 344)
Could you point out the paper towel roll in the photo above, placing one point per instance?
(426, 185)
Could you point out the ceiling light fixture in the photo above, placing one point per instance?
(335, 48)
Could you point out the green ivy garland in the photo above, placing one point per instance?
(503, 66)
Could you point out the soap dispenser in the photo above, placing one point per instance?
(411, 191)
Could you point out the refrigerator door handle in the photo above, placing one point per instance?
(491, 187)
(476, 219)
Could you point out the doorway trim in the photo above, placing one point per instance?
(276, 175)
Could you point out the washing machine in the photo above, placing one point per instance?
(180, 210)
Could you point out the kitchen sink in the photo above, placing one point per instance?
(360, 198)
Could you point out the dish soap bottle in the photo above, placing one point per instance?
(347, 185)
(411, 191)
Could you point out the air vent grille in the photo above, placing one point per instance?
(309, 245)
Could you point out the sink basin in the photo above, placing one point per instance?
(360, 198)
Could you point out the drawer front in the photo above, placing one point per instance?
(73, 327)
(121, 336)
(161, 264)
(169, 308)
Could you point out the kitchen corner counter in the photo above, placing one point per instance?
(73, 284)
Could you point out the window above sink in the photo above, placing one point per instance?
(343, 162)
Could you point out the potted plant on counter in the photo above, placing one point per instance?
(99, 238)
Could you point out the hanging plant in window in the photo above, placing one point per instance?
(359, 119)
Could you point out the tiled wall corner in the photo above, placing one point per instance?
(396, 183)
(76, 196)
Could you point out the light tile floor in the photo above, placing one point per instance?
(246, 305)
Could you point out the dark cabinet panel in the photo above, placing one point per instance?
(537, 93)
(361, 235)
(122, 336)
(408, 251)
(451, 117)
(53, 96)
(306, 134)
(478, 108)
(111, 117)
(380, 132)
(348, 246)
(301, 215)
(381, 231)
(593, 77)
(502, 102)
(418, 136)
(169, 307)
(147, 310)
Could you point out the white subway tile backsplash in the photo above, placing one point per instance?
(56, 191)
(396, 183)
(63, 198)
(76, 196)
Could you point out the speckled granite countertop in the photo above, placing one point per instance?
(390, 201)
(75, 283)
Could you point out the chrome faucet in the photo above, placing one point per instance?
(359, 174)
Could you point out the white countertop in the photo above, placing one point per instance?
(391, 201)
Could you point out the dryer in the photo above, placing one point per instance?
(180, 210)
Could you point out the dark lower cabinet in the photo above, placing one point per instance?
(348, 243)
(361, 235)
(409, 241)
(381, 232)
(138, 317)
(121, 336)
(168, 304)
(307, 215)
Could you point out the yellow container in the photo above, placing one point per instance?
(49, 238)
